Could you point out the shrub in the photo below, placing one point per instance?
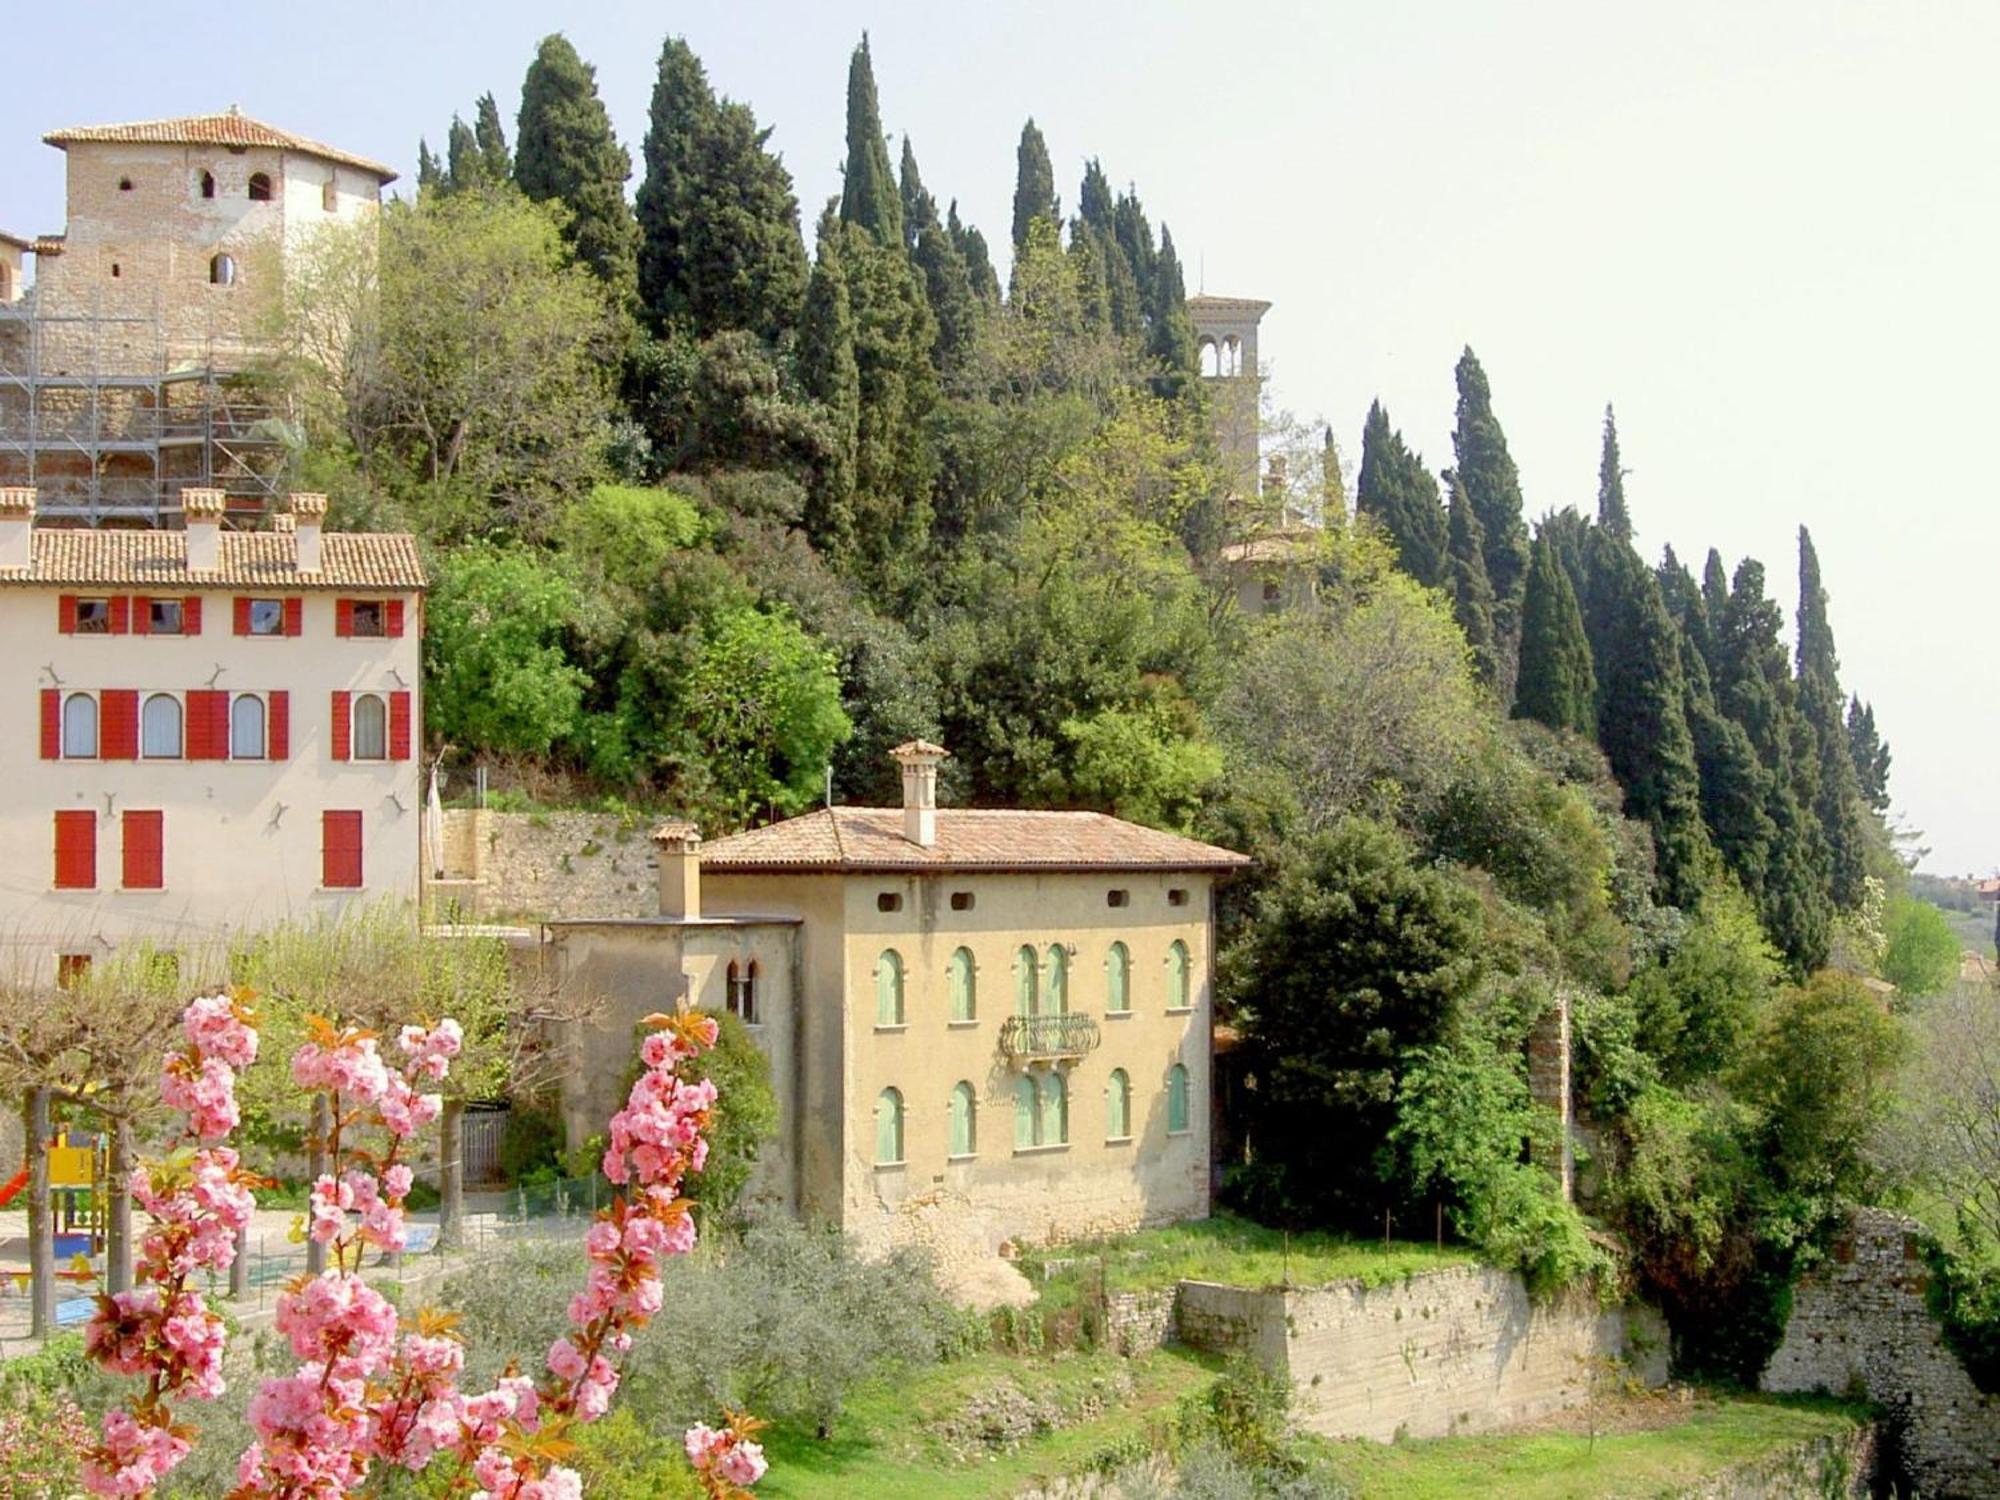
(530, 1143)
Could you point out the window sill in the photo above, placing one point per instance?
(962, 1025)
(1118, 1140)
(1118, 1015)
(890, 1166)
(140, 890)
(1175, 1135)
(1041, 1150)
(1180, 1010)
(969, 1156)
(882, 1027)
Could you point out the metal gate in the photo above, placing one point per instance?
(480, 1144)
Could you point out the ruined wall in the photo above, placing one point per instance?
(548, 866)
(1860, 1323)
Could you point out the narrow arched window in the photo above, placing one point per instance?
(1118, 980)
(160, 728)
(1118, 1106)
(222, 270)
(1177, 976)
(1055, 1111)
(742, 991)
(889, 1128)
(1027, 1112)
(1211, 358)
(964, 986)
(889, 988)
(208, 184)
(260, 187)
(371, 727)
(1177, 1100)
(79, 726)
(964, 1121)
(1027, 988)
(1056, 1002)
(246, 727)
(329, 195)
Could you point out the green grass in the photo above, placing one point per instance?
(887, 1446)
(1974, 929)
(1564, 1466)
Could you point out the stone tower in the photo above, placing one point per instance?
(1225, 331)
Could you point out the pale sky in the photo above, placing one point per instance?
(1761, 229)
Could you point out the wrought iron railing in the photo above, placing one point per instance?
(1027, 1038)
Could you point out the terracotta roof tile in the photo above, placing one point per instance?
(228, 128)
(871, 838)
(246, 559)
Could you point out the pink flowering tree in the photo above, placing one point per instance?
(369, 1392)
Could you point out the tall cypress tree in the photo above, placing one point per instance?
(1396, 490)
(430, 177)
(1034, 184)
(1870, 753)
(1170, 342)
(1494, 486)
(1837, 799)
(978, 260)
(565, 152)
(493, 153)
(918, 205)
(869, 195)
(1471, 591)
(828, 371)
(1558, 684)
(1611, 512)
(947, 283)
(464, 168)
(1332, 482)
(682, 106)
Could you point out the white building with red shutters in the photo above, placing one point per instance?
(212, 730)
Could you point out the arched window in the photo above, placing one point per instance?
(1211, 358)
(964, 1121)
(889, 1128)
(1177, 1100)
(1118, 1107)
(742, 992)
(1177, 976)
(222, 270)
(79, 726)
(260, 187)
(889, 988)
(208, 184)
(1026, 996)
(1232, 356)
(246, 727)
(964, 986)
(160, 728)
(1056, 1001)
(1055, 1112)
(371, 727)
(1027, 1112)
(1118, 980)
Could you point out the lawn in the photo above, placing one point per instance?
(1715, 1434)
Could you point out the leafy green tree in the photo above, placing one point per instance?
(493, 655)
(1869, 752)
(869, 195)
(1034, 185)
(497, 161)
(1611, 512)
(763, 712)
(1494, 485)
(1700, 1006)
(1922, 955)
(828, 370)
(1397, 491)
(565, 153)
(1471, 591)
(1558, 684)
(1148, 765)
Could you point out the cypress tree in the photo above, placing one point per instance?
(682, 105)
(1397, 490)
(1837, 800)
(1714, 590)
(971, 246)
(1034, 184)
(429, 177)
(1494, 486)
(565, 152)
(493, 153)
(1611, 512)
(1471, 591)
(869, 195)
(464, 168)
(918, 206)
(947, 283)
(1870, 753)
(1170, 342)
(1558, 685)
(828, 371)
(1332, 483)
(1568, 536)
(1135, 242)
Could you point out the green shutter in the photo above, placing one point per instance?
(1057, 999)
(1119, 1124)
(1119, 989)
(962, 1002)
(1055, 1111)
(1026, 1106)
(1024, 983)
(889, 1127)
(1177, 976)
(889, 989)
(1177, 1099)
(962, 1143)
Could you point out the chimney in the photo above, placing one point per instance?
(17, 528)
(680, 869)
(201, 512)
(307, 513)
(919, 760)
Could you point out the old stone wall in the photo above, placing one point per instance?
(1137, 1323)
(1828, 1468)
(547, 866)
(1860, 1324)
(1450, 1352)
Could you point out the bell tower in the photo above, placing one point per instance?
(1225, 330)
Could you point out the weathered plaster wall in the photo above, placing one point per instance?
(551, 866)
(1860, 1323)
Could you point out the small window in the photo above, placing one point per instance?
(115, 271)
(222, 270)
(165, 617)
(79, 727)
(371, 727)
(160, 728)
(1177, 1100)
(260, 187)
(208, 184)
(889, 988)
(1118, 1107)
(329, 196)
(888, 901)
(964, 1121)
(1272, 593)
(1177, 897)
(368, 617)
(961, 900)
(93, 617)
(267, 617)
(124, 184)
(742, 997)
(889, 1129)
(1118, 980)
(1117, 898)
(246, 728)
(1177, 976)
(963, 983)
(72, 969)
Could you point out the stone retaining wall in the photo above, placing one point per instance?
(1828, 1468)
(545, 866)
(1137, 1323)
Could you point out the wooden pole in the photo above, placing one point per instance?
(41, 1240)
(451, 1174)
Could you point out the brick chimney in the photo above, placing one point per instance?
(308, 511)
(680, 869)
(201, 512)
(919, 760)
(17, 528)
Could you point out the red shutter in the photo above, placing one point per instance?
(66, 613)
(51, 723)
(343, 706)
(121, 614)
(278, 729)
(340, 850)
(343, 617)
(142, 615)
(395, 617)
(294, 613)
(144, 846)
(242, 615)
(399, 726)
(118, 729)
(191, 616)
(76, 851)
(207, 724)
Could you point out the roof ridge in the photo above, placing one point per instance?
(839, 847)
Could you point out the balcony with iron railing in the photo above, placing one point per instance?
(1031, 1039)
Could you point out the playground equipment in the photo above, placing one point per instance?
(78, 1205)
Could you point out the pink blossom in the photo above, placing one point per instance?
(565, 1363)
(133, 1458)
(725, 1454)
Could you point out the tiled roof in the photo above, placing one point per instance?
(16, 241)
(228, 128)
(1275, 546)
(871, 838)
(247, 559)
(1202, 301)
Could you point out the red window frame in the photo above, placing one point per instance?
(340, 850)
(76, 850)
